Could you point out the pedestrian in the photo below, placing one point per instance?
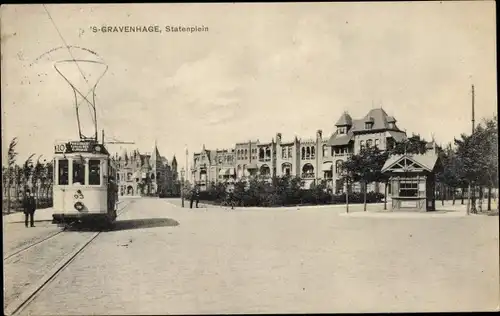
(191, 198)
(29, 206)
(231, 199)
(197, 195)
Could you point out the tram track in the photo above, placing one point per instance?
(28, 295)
(23, 249)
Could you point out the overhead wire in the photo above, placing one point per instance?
(92, 89)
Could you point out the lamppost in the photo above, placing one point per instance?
(182, 186)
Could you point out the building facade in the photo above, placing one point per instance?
(314, 159)
(145, 174)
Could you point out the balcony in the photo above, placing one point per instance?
(307, 176)
(344, 154)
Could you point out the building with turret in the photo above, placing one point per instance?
(313, 159)
(145, 174)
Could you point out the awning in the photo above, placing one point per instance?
(223, 172)
(252, 166)
(327, 166)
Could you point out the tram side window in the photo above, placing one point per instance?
(78, 172)
(63, 172)
(94, 172)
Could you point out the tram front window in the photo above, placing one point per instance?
(78, 172)
(63, 172)
(94, 172)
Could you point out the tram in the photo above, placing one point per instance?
(84, 184)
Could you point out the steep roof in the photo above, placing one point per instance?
(344, 120)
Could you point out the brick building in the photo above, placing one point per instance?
(312, 159)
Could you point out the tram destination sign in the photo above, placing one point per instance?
(74, 147)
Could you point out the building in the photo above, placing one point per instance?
(140, 174)
(313, 159)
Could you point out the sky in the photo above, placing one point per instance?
(260, 69)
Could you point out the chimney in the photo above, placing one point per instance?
(319, 133)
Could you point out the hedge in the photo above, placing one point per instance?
(283, 192)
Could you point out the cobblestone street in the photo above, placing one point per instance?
(162, 259)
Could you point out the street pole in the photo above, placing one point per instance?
(182, 189)
(469, 198)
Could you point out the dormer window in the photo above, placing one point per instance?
(391, 125)
(368, 125)
(341, 130)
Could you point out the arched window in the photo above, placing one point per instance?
(338, 166)
(265, 171)
(303, 153)
(268, 152)
(286, 169)
(313, 152)
(369, 143)
(261, 153)
(283, 152)
(308, 153)
(325, 151)
(308, 171)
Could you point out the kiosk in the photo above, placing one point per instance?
(413, 180)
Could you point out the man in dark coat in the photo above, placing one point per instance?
(191, 197)
(197, 195)
(29, 206)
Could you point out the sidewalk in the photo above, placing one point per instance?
(41, 215)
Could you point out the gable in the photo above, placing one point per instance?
(407, 163)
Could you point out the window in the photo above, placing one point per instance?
(341, 130)
(325, 151)
(94, 172)
(303, 153)
(129, 176)
(289, 152)
(338, 166)
(63, 172)
(284, 152)
(313, 152)
(369, 143)
(368, 125)
(408, 188)
(308, 153)
(376, 143)
(78, 172)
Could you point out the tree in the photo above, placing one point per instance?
(365, 167)
(412, 145)
(36, 176)
(490, 152)
(11, 160)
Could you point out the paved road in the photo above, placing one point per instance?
(163, 259)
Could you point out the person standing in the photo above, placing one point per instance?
(191, 197)
(29, 206)
(197, 195)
